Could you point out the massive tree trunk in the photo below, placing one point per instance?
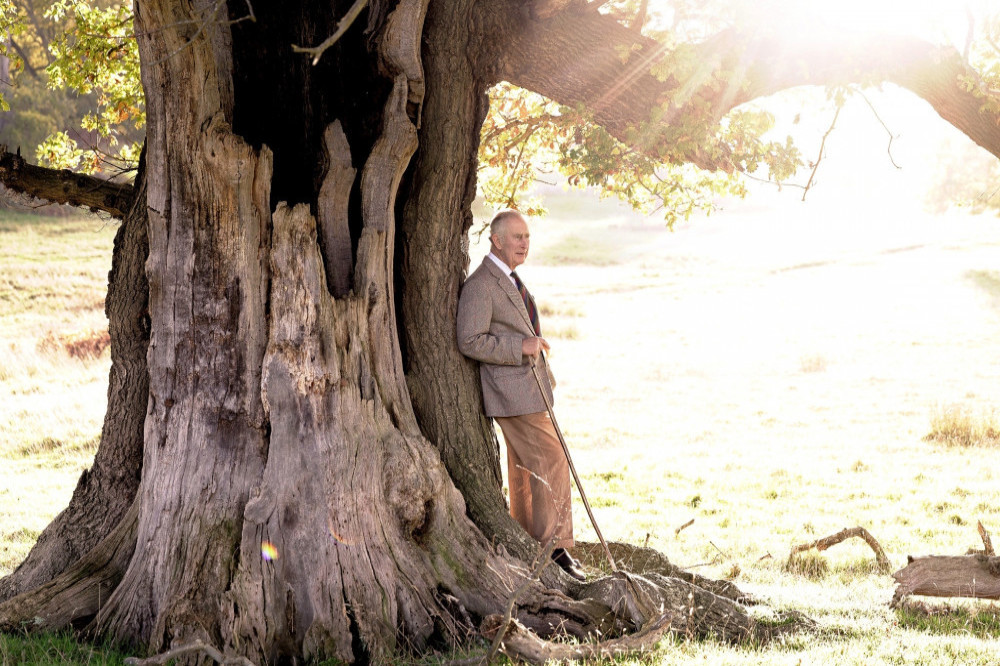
(318, 479)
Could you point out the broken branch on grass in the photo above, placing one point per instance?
(987, 542)
(822, 544)
(684, 527)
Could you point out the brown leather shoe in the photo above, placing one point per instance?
(562, 557)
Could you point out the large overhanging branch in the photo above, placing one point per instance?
(63, 186)
(589, 59)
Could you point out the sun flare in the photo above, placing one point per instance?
(934, 20)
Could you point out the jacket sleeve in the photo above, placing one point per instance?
(475, 314)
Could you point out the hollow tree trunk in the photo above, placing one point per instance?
(106, 490)
(290, 505)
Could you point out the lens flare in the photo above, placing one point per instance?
(268, 551)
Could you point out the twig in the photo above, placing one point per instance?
(197, 646)
(724, 554)
(684, 527)
(987, 542)
(342, 26)
(779, 184)
(819, 158)
(765, 556)
(888, 148)
(844, 534)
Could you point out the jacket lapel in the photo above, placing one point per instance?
(505, 284)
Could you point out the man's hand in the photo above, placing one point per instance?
(533, 346)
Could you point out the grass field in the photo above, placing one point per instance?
(53, 366)
(773, 373)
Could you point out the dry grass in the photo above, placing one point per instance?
(53, 367)
(959, 425)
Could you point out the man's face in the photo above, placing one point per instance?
(511, 244)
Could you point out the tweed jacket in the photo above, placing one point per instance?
(492, 322)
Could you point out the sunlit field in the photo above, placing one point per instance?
(53, 366)
(775, 372)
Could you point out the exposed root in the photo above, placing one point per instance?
(78, 594)
(884, 566)
(543, 559)
(198, 647)
(641, 560)
(519, 643)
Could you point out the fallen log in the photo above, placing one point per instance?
(975, 576)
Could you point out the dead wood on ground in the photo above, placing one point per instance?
(973, 576)
(881, 560)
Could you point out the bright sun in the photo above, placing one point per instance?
(934, 20)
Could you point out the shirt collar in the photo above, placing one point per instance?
(507, 270)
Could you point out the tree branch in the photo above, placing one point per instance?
(63, 186)
(888, 148)
(589, 59)
(819, 157)
(342, 26)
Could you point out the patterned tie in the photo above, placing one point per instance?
(529, 303)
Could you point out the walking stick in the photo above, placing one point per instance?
(572, 468)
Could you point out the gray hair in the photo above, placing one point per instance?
(499, 222)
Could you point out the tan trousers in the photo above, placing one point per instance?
(538, 478)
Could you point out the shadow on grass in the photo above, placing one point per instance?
(979, 620)
(51, 649)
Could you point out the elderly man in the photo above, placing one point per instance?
(498, 326)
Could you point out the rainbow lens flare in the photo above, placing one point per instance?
(268, 551)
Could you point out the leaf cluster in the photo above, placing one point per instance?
(527, 138)
(97, 54)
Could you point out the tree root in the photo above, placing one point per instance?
(198, 647)
(78, 594)
(884, 566)
(641, 560)
(519, 643)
